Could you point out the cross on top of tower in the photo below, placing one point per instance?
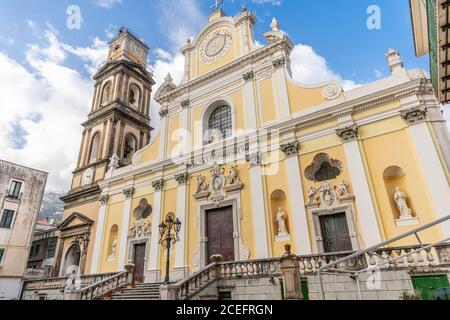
(217, 4)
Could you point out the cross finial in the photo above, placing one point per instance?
(217, 4)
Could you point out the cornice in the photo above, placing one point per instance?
(323, 114)
(284, 44)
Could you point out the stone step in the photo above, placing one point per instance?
(139, 290)
(135, 297)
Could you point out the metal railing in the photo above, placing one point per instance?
(378, 256)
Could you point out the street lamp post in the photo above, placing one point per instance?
(169, 231)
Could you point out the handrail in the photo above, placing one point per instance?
(94, 291)
(380, 246)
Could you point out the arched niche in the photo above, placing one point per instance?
(134, 96)
(72, 260)
(95, 148)
(130, 148)
(113, 241)
(278, 201)
(106, 94)
(394, 177)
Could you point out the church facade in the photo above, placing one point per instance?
(248, 160)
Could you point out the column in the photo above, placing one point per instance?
(180, 267)
(249, 98)
(280, 89)
(259, 209)
(153, 264)
(299, 221)
(430, 163)
(122, 262)
(363, 198)
(99, 233)
(164, 112)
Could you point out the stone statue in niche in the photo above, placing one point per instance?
(114, 246)
(400, 199)
(281, 221)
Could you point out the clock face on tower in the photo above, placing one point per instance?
(136, 49)
(215, 45)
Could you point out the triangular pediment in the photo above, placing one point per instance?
(75, 220)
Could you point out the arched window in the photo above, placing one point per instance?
(72, 260)
(220, 124)
(106, 94)
(323, 168)
(327, 172)
(143, 211)
(95, 148)
(130, 148)
(134, 96)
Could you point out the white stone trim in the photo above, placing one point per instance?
(126, 216)
(298, 215)
(180, 246)
(366, 210)
(153, 265)
(351, 223)
(99, 234)
(281, 94)
(259, 213)
(434, 174)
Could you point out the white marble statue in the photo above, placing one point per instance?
(281, 221)
(400, 199)
(114, 247)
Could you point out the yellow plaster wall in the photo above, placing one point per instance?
(302, 98)
(113, 217)
(395, 149)
(267, 100)
(174, 124)
(151, 152)
(276, 179)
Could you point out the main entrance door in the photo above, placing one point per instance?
(335, 234)
(139, 262)
(220, 233)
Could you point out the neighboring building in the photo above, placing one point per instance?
(248, 159)
(42, 253)
(21, 192)
(431, 26)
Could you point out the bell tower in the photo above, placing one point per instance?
(119, 122)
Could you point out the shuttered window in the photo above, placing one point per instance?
(7, 219)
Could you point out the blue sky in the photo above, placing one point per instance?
(46, 79)
(335, 29)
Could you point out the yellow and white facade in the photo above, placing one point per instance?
(300, 165)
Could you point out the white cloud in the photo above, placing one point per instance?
(180, 19)
(309, 68)
(106, 3)
(47, 103)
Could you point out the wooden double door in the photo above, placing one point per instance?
(219, 231)
(335, 233)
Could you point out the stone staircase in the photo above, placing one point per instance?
(144, 291)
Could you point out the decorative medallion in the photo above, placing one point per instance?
(332, 91)
(215, 45)
(217, 184)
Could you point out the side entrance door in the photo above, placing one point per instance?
(139, 262)
(220, 234)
